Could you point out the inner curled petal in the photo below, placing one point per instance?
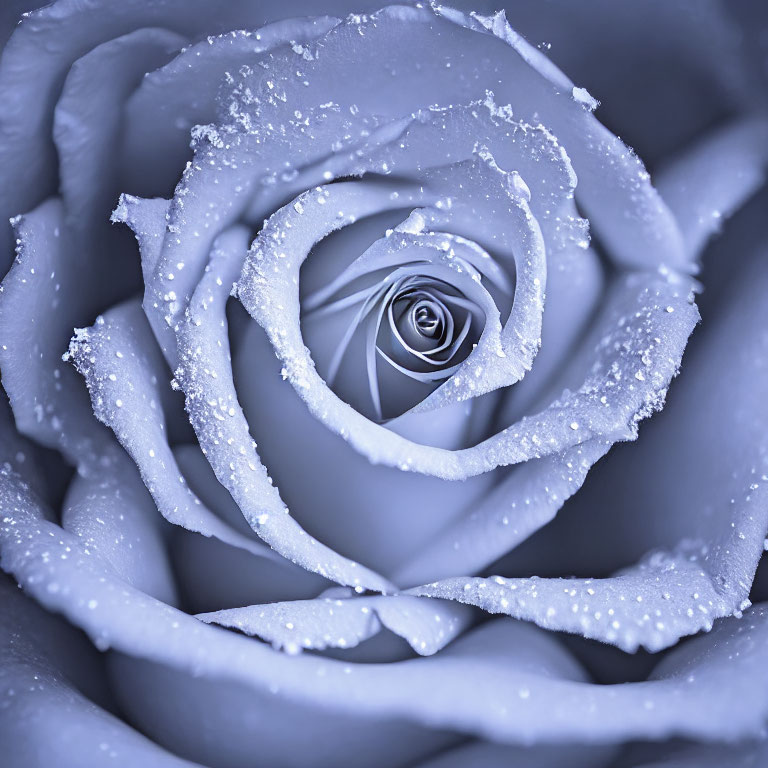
(410, 323)
(457, 198)
(427, 318)
(429, 321)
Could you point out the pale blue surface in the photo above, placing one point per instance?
(438, 534)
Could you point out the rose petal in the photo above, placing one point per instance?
(573, 271)
(114, 516)
(205, 375)
(476, 190)
(634, 349)
(574, 276)
(216, 189)
(122, 371)
(43, 297)
(717, 428)
(662, 70)
(46, 720)
(173, 99)
(9, 17)
(53, 37)
(712, 489)
(376, 514)
(680, 595)
(17, 452)
(710, 181)
(653, 604)
(147, 220)
(88, 120)
(219, 186)
(344, 622)
(212, 575)
(526, 500)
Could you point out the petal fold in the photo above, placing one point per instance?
(345, 621)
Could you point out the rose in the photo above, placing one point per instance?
(110, 553)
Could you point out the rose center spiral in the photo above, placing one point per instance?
(427, 317)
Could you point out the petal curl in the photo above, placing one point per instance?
(574, 275)
(205, 375)
(472, 190)
(634, 350)
(652, 604)
(122, 370)
(699, 473)
(259, 137)
(56, 35)
(343, 621)
(625, 209)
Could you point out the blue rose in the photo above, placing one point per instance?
(326, 346)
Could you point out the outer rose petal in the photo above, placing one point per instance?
(10, 13)
(35, 322)
(173, 99)
(663, 70)
(710, 181)
(653, 604)
(115, 517)
(47, 719)
(88, 121)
